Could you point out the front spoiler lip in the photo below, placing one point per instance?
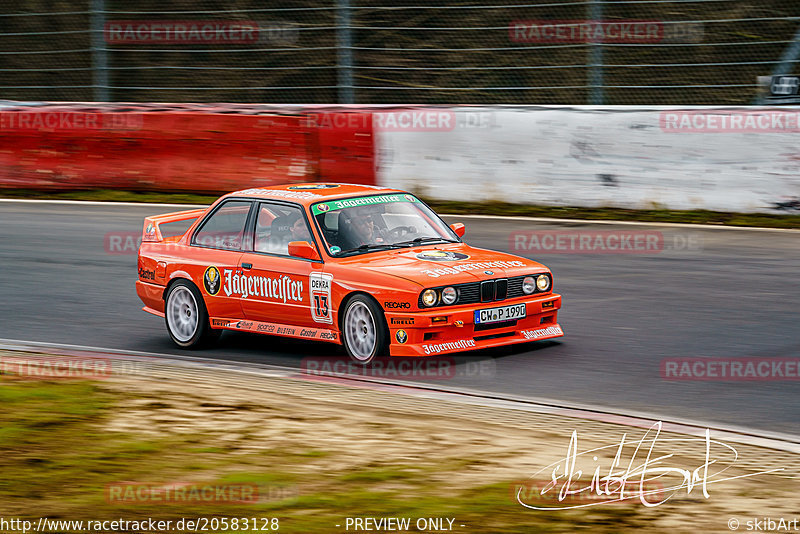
(459, 327)
(524, 335)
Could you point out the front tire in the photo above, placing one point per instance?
(186, 316)
(364, 330)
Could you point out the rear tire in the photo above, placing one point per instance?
(364, 331)
(186, 317)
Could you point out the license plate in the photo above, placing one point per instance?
(496, 315)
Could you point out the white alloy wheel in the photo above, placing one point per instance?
(182, 314)
(360, 330)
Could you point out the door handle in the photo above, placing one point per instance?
(247, 266)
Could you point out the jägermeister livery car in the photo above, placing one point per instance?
(371, 268)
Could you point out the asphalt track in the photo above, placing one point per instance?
(711, 293)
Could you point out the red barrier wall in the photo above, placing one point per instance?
(178, 147)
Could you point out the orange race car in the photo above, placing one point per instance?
(374, 269)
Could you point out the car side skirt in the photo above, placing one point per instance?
(154, 312)
(257, 327)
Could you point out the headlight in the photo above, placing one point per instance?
(429, 297)
(543, 282)
(449, 295)
(529, 285)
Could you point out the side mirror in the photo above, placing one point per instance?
(303, 249)
(458, 228)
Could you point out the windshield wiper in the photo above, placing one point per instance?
(386, 246)
(367, 247)
(420, 240)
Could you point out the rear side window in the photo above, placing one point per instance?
(225, 228)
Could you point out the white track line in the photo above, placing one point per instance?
(627, 223)
(98, 203)
(498, 217)
(761, 438)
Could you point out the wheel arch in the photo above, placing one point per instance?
(174, 280)
(346, 300)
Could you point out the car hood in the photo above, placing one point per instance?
(445, 264)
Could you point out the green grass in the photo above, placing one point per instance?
(57, 456)
(787, 220)
(112, 195)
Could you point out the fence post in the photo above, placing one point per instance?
(344, 54)
(99, 57)
(596, 57)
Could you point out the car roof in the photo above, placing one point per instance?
(308, 193)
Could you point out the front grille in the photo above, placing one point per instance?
(500, 289)
(488, 291)
(515, 287)
(468, 293)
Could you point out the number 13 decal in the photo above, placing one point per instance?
(321, 303)
(320, 288)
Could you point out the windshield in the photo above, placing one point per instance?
(364, 224)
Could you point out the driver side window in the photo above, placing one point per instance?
(277, 226)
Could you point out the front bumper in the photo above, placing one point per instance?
(449, 330)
